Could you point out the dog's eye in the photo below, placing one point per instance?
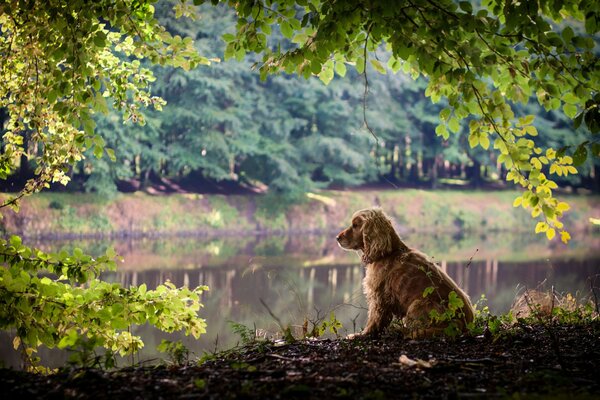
(354, 225)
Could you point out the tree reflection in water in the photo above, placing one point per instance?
(306, 277)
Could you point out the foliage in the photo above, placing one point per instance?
(451, 308)
(177, 352)
(451, 312)
(567, 311)
(247, 334)
(84, 354)
(61, 63)
(291, 136)
(524, 49)
(55, 299)
(320, 327)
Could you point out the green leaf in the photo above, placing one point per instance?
(286, 29)
(111, 154)
(394, 64)
(518, 201)
(466, 6)
(442, 131)
(111, 253)
(98, 151)
(531, 130)
(526, 120)
(484, 142)
(580, 155)
(378, 67)
(360, 65)
(454, 124)
(326, 73)
(340, 68)
(473, 140)
(445, 114)
(228, 37)
(68, 340)
(570, 98)
(548, 211)
(15, 241)
(568, 34)
(570, 110)
(89, 125)
(100, 39)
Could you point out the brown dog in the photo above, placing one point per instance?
(402, 282)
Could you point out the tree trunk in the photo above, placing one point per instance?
(474, 174)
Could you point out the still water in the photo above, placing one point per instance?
(306, 277)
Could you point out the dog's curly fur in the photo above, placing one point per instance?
(397, 276)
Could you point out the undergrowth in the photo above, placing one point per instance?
(567, 311)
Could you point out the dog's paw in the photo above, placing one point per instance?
(353, 336)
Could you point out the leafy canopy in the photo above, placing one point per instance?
(483, 60)
(60, 62)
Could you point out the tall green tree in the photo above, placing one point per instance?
(482, 60)
(224, 123)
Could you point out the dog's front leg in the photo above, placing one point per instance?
(378, 319)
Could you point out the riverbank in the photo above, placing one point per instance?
(556, 361)
(64, 215)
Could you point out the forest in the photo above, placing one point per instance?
(285, 101)
(287, 135)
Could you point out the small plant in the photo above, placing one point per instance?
(56, 299)
(177, 352)
(247, 334)
(452, 308)
(83, 354)
(320, 326)
(488, 324)
(452, 312)
(333, 325)
(56, 205)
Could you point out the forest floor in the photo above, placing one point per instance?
(539, 361)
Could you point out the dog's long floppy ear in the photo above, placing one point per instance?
(379, 237)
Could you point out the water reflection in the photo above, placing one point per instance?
(305, 277)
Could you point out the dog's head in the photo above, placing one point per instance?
(372, 233)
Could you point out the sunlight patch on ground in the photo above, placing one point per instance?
(326, 200)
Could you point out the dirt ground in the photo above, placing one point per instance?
(531, 361)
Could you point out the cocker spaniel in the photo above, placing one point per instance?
(403, 282)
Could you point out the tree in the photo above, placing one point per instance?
(60, 62)
(483, 60)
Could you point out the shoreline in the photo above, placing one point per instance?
(57, 216)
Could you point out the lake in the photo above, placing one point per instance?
(260, 281)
